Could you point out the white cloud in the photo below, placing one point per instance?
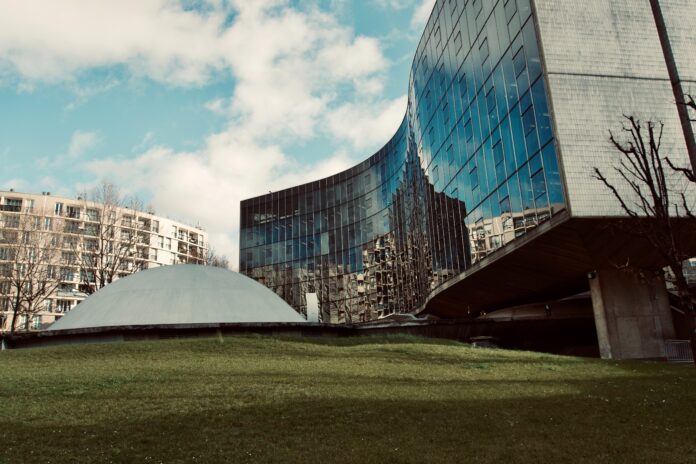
(364, 126)
(84, 92)
(15, 183)
(288, 66)
(394, 4)
(218, 106)
(146, 142)
(206, 187)
(159, 38)
(422, 13)
(291, 68)
(81, 142)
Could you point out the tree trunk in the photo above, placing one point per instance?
(15, 310)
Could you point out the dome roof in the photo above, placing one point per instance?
(180, 294)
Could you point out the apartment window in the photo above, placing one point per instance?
(169, 243)
(93, 214)
(70, 242)
(72, 227)
(11, 221)
(73, 212)
(6, 253)
(63, 306)
(30, 205)
(92, 229)
(13, 204)
(58, 209)
(48, 223)
(155, 226)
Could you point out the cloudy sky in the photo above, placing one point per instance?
(197, 104)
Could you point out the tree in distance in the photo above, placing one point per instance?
(29, 271)
(109, 243)
(216, 260)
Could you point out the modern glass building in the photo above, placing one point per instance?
(472, 166)
(509, 107)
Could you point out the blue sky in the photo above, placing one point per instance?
(195, 105)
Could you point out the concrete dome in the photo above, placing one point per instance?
(181, 294)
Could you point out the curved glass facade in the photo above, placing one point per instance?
(472, 166)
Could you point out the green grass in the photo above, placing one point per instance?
(367, 400)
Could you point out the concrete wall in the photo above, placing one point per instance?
(632, 314)
(604, 59)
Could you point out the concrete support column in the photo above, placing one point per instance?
(632, 314)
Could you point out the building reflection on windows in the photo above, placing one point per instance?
(472, 167)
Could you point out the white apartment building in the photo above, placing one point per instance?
(73, 227)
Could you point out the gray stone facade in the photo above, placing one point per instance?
(603, 59)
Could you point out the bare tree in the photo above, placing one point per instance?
(216, 260)
(29, 267)
(108, 243)
(641, 168)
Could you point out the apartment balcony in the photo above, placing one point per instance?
(11, 208)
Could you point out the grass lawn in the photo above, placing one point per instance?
(366, 400)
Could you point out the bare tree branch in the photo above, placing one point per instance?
(216, 260)
(29, 265)
(641, 169)
(108, 245)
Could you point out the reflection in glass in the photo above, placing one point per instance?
(472, 167)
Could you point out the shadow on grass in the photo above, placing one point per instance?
(565, 428)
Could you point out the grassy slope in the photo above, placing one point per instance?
(256, 399)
